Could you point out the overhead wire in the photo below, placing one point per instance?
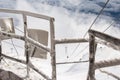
(97, 16)
(14, 44)
(15, 47)
(82, 51)
(108, 27)
(91, 25)
(19, 30)
(12, 41)
(102, 31)
(11, 44)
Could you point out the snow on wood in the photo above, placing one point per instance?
(53, 53)
(107, 63)
(92, 49)
(28, 39)
(106, 37)
(25, 13)
(64, 41)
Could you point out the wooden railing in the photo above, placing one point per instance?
(27, 39)
(109, 41)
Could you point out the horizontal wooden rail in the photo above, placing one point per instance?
(108, 44)
(25, 13)
(30, 65)
(107, 63)
(65, 41)
(72, 62)
(106, 37)
(11, 35)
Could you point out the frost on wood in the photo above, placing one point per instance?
(113, 42)
(7, 75)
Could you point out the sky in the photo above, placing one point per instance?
(72, 20)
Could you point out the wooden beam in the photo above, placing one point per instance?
(25, 13)
(108, 44)
(110, 74)
(11, 35)
(30, 40)
(92, 49)
(65, 41)
(106, 37)
(53, 53)
(72, 62)
(14, 59)
(0, 50)
(26, 43)
(30, 65)
(107, 63)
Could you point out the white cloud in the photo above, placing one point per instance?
(73, 2)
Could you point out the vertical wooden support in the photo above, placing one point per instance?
(92, 49)
(26, 43)
(0, 50)
(53, 55)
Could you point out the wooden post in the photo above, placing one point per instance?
(53, 55)
(92, 47)
(26, 43)
(0, 50)
(72, 62)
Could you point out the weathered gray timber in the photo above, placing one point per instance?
(92, 49)
(25, 13)
(72, 62)
(27, 39)
(108, 44)
(66, 41)
(53, 53)
(108, 41)
(30, 40)
(107, 63)
(106, 37)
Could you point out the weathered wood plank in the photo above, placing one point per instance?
(107, 63)
(106, 37)
(30, 40)
(26, 13)
(26, 43)
(108, 44)
(92, 49)
(65, 41)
